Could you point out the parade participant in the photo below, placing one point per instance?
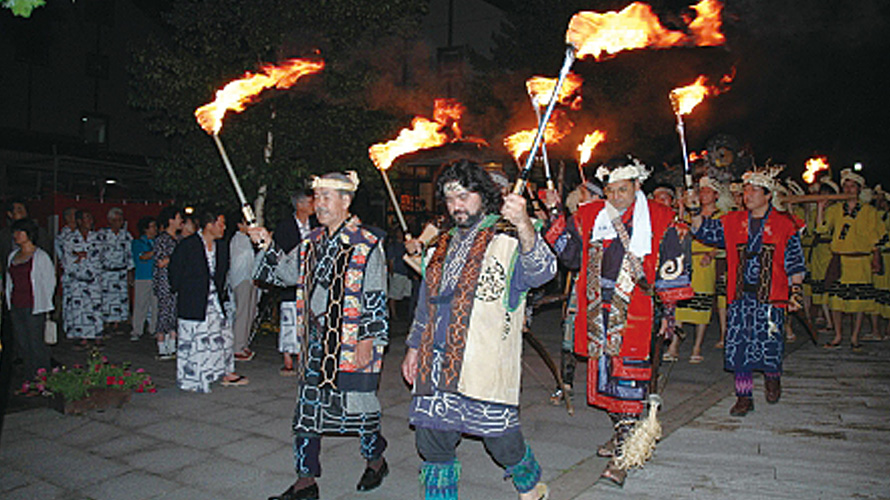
(664, 194)
(697, 310)
(856, 233)
(630, 246)
(116, 259)
(819, 258)
(764, 256)
(82, 300)
(339, 273)
(471, 311)
(882, 280)
(198, 272)
(288, 235)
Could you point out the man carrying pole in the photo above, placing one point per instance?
(629, 246)
(465, 344)
(339, 273)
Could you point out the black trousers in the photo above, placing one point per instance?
(439, 446)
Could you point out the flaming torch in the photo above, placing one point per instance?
(422, 134)
(814, 166)
(635, 27)
(540, 91)
(591, 141)
(236, 95)
(683, 101)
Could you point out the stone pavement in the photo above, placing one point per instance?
(827, 438)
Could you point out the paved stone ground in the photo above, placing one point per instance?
(828, 438)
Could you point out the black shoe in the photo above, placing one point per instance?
(371, 478)
(308, 493)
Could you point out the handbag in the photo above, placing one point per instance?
(833, 272)
(50, 332)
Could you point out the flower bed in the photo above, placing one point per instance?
(99, 384)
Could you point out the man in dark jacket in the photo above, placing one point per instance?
(198, 269)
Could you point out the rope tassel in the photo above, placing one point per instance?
(639, 445)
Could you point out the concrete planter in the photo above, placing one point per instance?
(100, 398)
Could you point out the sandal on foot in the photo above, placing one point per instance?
(614, 475)
(696, 359)
(237, 381)
(669, 357)
(831, 345)
(718, 345)
(856, 347)
(287, 372)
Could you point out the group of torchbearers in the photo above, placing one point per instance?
(634, 271)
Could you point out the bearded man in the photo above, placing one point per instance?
(465, 344)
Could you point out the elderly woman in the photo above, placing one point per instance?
(30, 285)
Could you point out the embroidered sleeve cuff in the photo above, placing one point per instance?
(374, 324)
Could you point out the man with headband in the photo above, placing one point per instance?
(627, 248)
(465, 344)
(856, 233)
(339, 273)
(765, 270)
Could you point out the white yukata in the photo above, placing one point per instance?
(117, 260)
(206, 349)
(82, 286)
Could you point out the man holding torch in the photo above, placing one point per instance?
(465, 344)
(627, 247)
(765, 270)
(340, 277)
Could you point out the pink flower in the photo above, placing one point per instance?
(104, 359)
(109, 381)
(139, 389)
(56, 369)
(140, 370)
(152, 390)
(26, 386)
(78, 367)
(120, 381)
(41, 387)
(41, 371)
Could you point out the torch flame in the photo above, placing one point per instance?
(521, 142)
(422, 134)
(685, 99)
(591, 141)
(540, 89)
(814, 165)
(705, 28)
(637, 27)
(238, 93)
(449, 110)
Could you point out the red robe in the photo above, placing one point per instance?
(633, 360)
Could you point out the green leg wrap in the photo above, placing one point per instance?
(439, 480)
(527, 473)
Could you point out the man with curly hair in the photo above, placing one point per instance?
(465, 344)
